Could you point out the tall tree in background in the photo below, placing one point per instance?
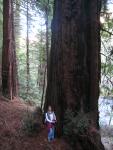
(46, 6)
(27, 48)
(17, 26)
(74, 71)
(9, 70)
(47, 32)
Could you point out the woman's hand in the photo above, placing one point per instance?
(54, 121)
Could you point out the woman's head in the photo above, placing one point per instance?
(49, 108)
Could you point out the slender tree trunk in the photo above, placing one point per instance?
(74, 71)
(27, 45)
(43, 89)
(47, 33)
(42, 68)
(17, 25)
(9, 70)
(14, 67)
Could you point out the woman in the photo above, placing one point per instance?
(50, 120)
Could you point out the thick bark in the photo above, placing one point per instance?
(74, 71)
(9, 68)
(54, 92)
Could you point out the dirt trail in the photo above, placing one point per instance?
(12, 138)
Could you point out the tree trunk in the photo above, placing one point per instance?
(27, 53)
(47, 33)
(74, 71)
(43, 89)
(17, 10)
(9, 68)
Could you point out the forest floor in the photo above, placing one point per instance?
(11, 136)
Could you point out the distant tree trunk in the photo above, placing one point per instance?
(47, 33)
(74, 71)
(9, 68)
(14, 67)
(27, 53)
(17, 25)
(43, 89)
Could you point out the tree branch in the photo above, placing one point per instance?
(106, 31)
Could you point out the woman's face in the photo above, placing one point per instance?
(49, 108)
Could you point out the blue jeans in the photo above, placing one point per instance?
(51, 134)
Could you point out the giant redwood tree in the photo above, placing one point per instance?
(74, 69)
(9, 70)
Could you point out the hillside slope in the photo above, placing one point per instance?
(11, 135)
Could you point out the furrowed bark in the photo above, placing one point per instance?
(9, 68)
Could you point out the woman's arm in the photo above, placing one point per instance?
(47, 119)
